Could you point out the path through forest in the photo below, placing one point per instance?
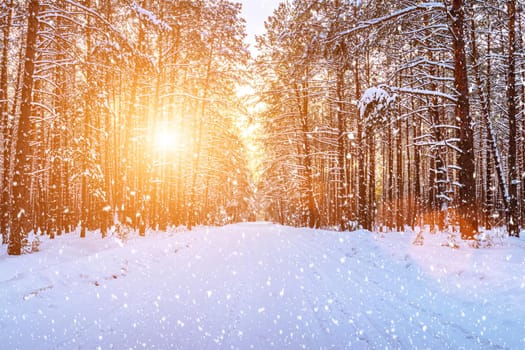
(262, 286)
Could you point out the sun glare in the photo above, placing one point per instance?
(166, 139)
(244, 91)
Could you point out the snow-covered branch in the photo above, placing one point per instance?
(403, 12)
(150, 17)
(425, 93)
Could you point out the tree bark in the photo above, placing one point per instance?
(21, 218)
(342, 190)
(399, 178)
(371, 202)
(84, 215)
(467, 208)
(4, 122)
(360, 142)
(513, 220)
(389, 210)
(303, 106)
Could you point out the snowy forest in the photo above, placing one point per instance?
(361, 114)
(350, 177)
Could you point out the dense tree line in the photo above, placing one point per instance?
(383, 114)
(120, 113)
(377, 114)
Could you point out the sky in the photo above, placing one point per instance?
(256, 12)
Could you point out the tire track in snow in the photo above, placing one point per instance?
(327, 285)
(392, 302)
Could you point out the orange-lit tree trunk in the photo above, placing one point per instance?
(55, 193)
(5, 137)
(400, 217)
(88, 105)
(161, 186)
(388, 180)
(313, 211)
(418, 197)
(134, 188)
(198, 134)
(108, 149)
(21, 218)
(342, 188)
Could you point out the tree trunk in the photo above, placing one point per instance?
(389, 210)
(5, 137)
(342, 190)
(360, 144)
(60, 106)
(192, 210)
(21, 218)
(467, 209)
(513, 220)
(313, 212)
(521, 68)
(489, 180)
(303, 107)
(371, 202)
(399, 177)
(88, 105)
(418, 198)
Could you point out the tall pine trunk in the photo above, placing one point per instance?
(360, 141)
(400, 219)
(88, 106)
(4, 123)
(513, 220)
(21, 217)
(193, 212)
(342, 190)
(467, 206)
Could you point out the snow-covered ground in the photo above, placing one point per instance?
(263, 286)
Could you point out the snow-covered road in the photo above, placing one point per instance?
(262, 286)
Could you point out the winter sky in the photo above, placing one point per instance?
(256, 12)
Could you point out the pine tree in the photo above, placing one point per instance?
(21, 211)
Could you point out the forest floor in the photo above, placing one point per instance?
(263, 286)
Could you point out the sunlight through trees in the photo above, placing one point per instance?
(152, 113)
